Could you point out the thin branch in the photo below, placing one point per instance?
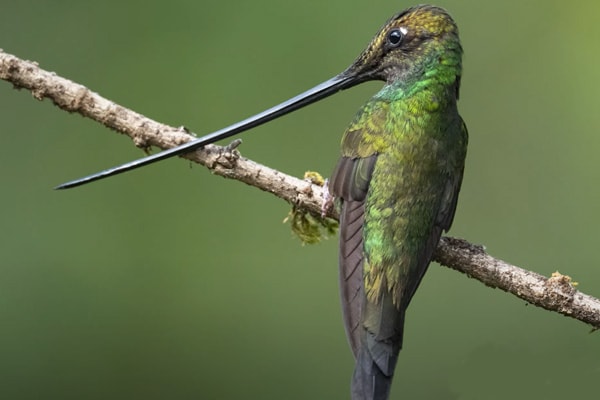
(555, 294)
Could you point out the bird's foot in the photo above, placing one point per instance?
(328, 199)
(317, 179)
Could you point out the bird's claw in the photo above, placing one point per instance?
(328, 199)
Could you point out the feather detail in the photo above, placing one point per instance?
(350, 183)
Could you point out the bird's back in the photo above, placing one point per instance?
(398, 179)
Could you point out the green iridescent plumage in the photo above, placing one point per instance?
(398, 180)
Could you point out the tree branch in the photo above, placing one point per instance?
(555, 294)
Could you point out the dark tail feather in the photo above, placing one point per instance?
(374, 369)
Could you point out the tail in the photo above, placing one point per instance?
(375, 364)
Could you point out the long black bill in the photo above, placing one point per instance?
(325, 89)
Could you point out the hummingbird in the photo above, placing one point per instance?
(397, 181)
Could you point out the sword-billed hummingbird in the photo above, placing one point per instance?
(397, 180)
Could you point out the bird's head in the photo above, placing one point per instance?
(420, 41)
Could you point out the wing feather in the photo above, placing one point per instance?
(350, 183)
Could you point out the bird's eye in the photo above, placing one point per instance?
(395, 37)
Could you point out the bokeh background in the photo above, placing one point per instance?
(171, 283)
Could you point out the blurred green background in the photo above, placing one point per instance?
(171, 283)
